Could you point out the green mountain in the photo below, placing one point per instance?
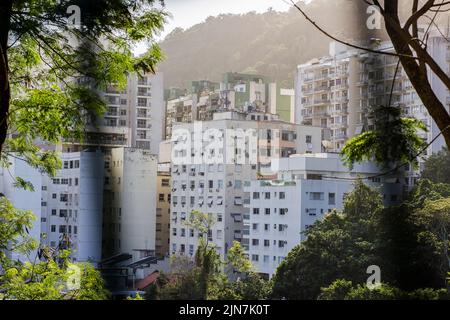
(271, 43)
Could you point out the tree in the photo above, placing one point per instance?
(46, 278)
(437, 167)
(54, 57)
(207, 276)
(345, 290)
(408, 242)
(341, 245)
(393, 141)
(411, 50)
(44, 44)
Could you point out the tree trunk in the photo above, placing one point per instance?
(5, 91)
(417, 75)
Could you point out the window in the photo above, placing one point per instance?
(165, 182)
(308, 139)
(53, 228)
(331, 198)
(266, 243)
(77, 163)
(255, 257)
(255, 242)
(238, 184)
(161, 197)
(267, 211)
(210, 184)
(63, 197)
(183, 232)
(62, 229)
(54, 196)
(174, 231)
(266, 195)
(283, 211)
(255, 195)
(191, 233)
(316, 196)
(282, 195)
(266, 227)
(255, 210)
(255, 226)
(63, 213)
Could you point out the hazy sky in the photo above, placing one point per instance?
(186, 13)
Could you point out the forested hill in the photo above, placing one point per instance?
(270, 43)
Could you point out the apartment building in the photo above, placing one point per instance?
(72, 203)
(163, 189)
(211, 162)
(134, 116)
(129, 207)
(307, 188)
(336, 92)
(237, 92)
(328, 95)
(23, 199)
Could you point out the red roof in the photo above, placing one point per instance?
(148, 280)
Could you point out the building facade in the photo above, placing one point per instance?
(134, 116)
(307, 188)
(129, 203)
(163, 189)
(72, 204)
(211, 162)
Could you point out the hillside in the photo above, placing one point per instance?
(271, 43)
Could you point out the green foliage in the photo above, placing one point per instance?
(137, 297)
(342, 289)
(394, 139)
(238, 259)
(54, 82)
(437, 167)
(409, 243)
(203, 278)
(48, 280)
(341, 245)
(14, 228)
(54, 71)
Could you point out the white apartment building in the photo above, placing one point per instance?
(336, 92)
(23, 199)
(211, 162)
(280, 210)
(328, 94)
(130, 203)
(134, 116)
(72, 204)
